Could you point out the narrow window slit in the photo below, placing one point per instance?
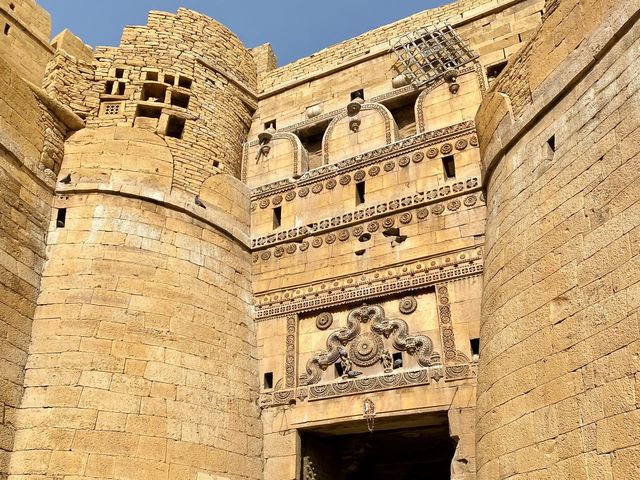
(277, 217)
(61, 217)
(360, 193)
(449, 166)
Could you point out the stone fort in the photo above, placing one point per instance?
(412, 255)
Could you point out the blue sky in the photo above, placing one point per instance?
(295, 28)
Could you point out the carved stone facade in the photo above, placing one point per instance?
(211, 265)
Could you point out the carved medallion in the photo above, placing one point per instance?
(432, 152)
(404, 161)
(406, 217)
(264, 203)
(277, 200)
(461, 144)
(389, 166)
(470, 201)
(418, 157)
(324, 320)
(365, 349)
(375, 170)
(331, 184)
(359, 175)
(290, 195)
(345, 179)
(303, 192)
(316, 188)
(407, 305)
(446, 149)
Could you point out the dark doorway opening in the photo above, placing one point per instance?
(422, 449)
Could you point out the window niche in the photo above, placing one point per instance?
(154, 92)
(311, 139)
(175, 127)
(179, 99)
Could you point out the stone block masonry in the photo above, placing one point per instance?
(214, 268)
(558, 381)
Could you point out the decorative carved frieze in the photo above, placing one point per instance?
(365, 348)
(378, 155)
(398, 205)
(378, 282)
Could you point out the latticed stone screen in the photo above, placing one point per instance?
(429, 52)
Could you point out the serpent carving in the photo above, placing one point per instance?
(396, 329)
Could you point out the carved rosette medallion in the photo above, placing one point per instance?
(291, 194)
(407, 305)
(324, 320)
(365, 349)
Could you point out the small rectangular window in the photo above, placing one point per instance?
(277, 217)
(119, 72)
(360, 193)
(175, 127)
(61, 217)
(179, 99)
(449, 166)
(169, 79)
(184, 82)
(268, 380)
(397, 360)
(339, 370)
(151, 76)
(7, 27)
(121, 88)
(108, 87)
(357, 94)
(475, 346)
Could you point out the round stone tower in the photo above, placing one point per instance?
(143, 364)
(558, 381)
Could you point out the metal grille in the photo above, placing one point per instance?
(429, 52)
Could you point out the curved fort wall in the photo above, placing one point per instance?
(558, 379)
(142, 358)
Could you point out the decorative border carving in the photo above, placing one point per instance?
(405, 145)
(390, 127)
(377, 283)
(397, 205)
(290, 357)
(457, 364)
(373, 226)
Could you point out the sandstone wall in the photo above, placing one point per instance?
(142, 362)
(25, 28)
(31, 139)
(183, 75)
(558, 380)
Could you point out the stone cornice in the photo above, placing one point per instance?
(380, 282)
